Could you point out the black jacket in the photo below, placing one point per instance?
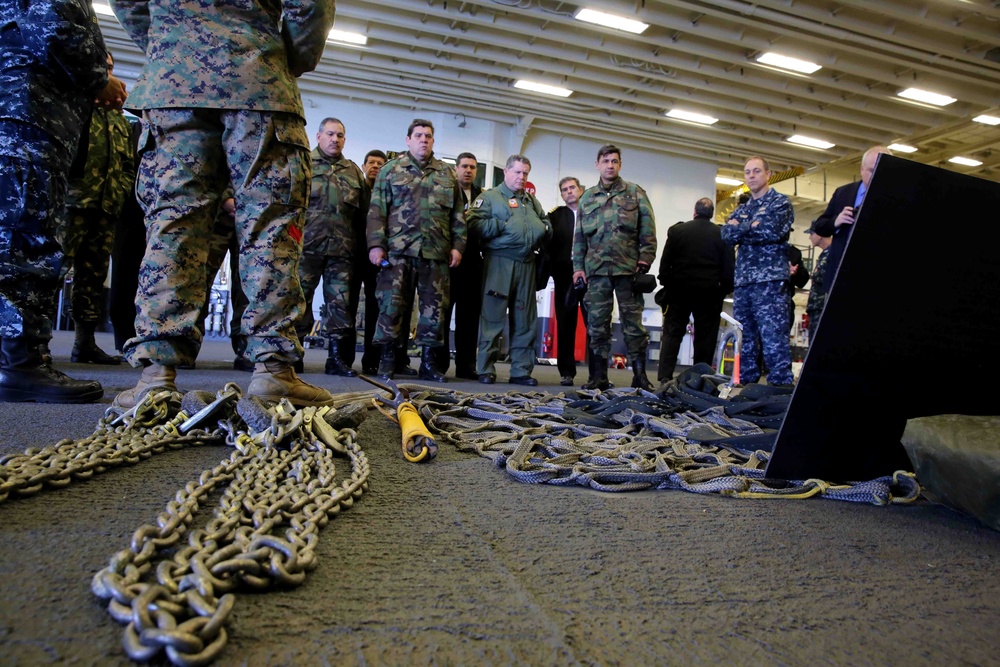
(843, 197)
(696, 258)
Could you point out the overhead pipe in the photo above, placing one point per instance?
(805, 90)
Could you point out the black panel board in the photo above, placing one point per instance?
(909, 329)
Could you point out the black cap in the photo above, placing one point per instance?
(812, 229)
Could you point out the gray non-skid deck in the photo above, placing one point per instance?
(453, 563)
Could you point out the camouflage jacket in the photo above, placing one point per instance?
(817, 291)
(239, 54)
(508, 224)
(616, 230)
(417, 211)
(52, 63)
(109, 170)
(761, 256)
(338, 207)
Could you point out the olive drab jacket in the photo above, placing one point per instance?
(338, 207)
(108, 166)
(417, 211)
(616, 230)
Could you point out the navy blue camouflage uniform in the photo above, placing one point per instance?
(760, 299)
(52, 63)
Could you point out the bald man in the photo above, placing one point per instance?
(837, 220)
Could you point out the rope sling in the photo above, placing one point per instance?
(628, 440)
(174, 585)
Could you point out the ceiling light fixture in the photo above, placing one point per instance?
(691, 116)
(725, 180)
(536, 87)
(926, 96)
(347, 37)
(787, 62)
(610, 20)
(965, 161)
(103, 8)
(987, 120)
(809, 141)
(902, 148)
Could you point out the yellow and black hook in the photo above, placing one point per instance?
(418, 443)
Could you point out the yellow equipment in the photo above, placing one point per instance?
(418, 443)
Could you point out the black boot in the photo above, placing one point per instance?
(428, 366)
(598, 373)
(639, 379)
(335, 363)
(387, 364)
(403, 361)
(23, 377)
(85, 350)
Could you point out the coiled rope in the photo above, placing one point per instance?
(624, 440)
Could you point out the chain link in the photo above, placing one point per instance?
(279, 487)
(121, 438)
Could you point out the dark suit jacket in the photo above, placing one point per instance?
(472, 243)
(696, 258)
(843, 197)
(559, 253)
(801, 275)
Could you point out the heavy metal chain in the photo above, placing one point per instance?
(280, 487)
(121, 438)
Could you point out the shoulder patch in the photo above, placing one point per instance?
(478, 203)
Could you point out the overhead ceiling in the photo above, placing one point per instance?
(463, 57)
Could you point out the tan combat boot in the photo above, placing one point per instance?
(275, 380)
(153, 376)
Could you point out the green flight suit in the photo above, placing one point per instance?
(511, 227)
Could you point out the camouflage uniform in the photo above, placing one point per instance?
(94, 202)
(760, 300)
(510, 227)
(616, 231)
(338, 206)
(52, 62)
(221, 104)
(416, 216)
(817, 293)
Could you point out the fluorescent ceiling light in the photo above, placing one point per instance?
(103, 8)
(902, 148)
(610, 20)
(693, 117)
(926, 96)
(723, 180)
(988, 120)
(347, 37)
(536, 87)
(809, 141)
(966, 161)
(786, 62)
